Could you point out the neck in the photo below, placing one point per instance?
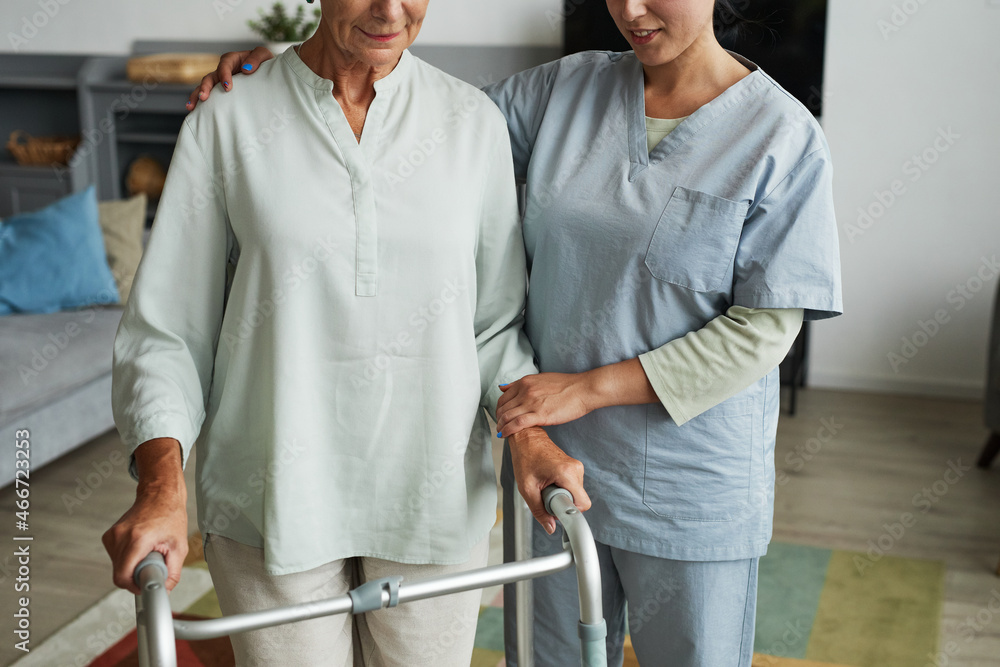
(353, 80)
(704, 65)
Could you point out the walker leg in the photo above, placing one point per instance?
(524, 609)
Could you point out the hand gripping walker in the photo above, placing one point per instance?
(157, 629)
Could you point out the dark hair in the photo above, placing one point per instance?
(728, 19)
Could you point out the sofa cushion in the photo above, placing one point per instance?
(54, 258)
(43, 357)
(122, 223)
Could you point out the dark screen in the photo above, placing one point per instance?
(786, 40)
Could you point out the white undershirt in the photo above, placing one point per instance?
(657, 128)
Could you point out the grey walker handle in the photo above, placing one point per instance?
(153, 620)
(157, 629)
(592, 629)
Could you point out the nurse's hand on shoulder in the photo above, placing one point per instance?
(538, 462)
(239, 62)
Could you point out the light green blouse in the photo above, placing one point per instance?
(336, 388)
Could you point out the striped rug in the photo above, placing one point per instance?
(816, 608)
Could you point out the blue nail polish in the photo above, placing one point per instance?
(225, 83)
(248, 67)
(499, 434)
(504, 385)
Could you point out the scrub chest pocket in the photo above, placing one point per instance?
(700, 471)
(695, 240)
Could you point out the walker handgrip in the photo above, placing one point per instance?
(154, 558)
(154, 622)
(550, 492)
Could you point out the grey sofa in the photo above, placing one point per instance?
(55, 381)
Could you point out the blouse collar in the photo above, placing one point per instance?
(399, 73)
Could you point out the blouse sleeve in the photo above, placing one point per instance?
(505, 355)
(788, 255)
(522, 98)
(164, 350)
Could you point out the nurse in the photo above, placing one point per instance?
(679, 228)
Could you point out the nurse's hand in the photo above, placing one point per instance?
(538, 462)
(547, 399)
(544, 399)
(234, 61)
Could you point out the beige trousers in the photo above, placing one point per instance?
(438, 632)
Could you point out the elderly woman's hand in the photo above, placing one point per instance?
(543, 400)
(538, 462)
(241, 62)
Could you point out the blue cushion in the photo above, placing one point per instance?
(54, 258)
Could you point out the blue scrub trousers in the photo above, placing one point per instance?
(680, 613)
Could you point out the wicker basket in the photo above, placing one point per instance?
(41, 151)
(183, 68)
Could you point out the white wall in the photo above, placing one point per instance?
(890, 95)
(110, 26)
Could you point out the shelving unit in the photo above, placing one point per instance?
(89, 96)
(120, 120)
(39, 94)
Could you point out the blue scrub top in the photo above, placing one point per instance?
(630, 249)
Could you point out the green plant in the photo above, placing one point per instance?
(280, 26)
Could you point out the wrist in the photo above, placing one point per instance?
(159, 463)
(523, 438)
(162, 487)
(599, 388)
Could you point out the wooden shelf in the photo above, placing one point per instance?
(148, 137)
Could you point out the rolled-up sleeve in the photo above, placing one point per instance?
(164, 350)
(505, 354)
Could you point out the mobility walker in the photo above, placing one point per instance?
(157, 629)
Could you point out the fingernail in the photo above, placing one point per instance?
(248, 67)
(201, 94)
(504, 385)
(499, 434)
(188, 104)
(225, 83)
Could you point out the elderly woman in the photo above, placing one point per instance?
(331, 293)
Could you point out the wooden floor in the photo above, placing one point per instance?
(850, 466)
